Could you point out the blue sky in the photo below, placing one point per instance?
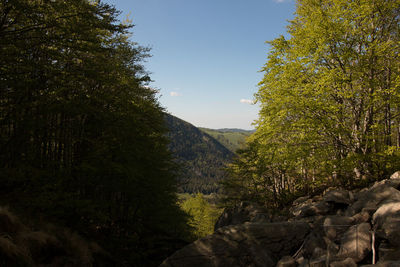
(206, 54)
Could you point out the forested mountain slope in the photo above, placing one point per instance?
(201, 156)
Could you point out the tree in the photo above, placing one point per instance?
(330, 95)
(203, 215)
(82, 138)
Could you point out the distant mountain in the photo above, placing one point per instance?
(202, 157)
(233, 130)
(233, 139)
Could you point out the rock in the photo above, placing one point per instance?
(356, 242)
(372, 198)
(395, 175)
(300, 200)
(244, 212)
(384, 264)
(318, 252)
(313, 240)
(308, 209)
(220, 251)
(330, 230)
(349, 262)
(338, 196)
(387, 252)
(387, 222)
(335, 226)
(392, 182)
(286, 261)
(302, 262)
(331, 248)
(318, 262)
(249, 244)
(283, 238)
(361, 217)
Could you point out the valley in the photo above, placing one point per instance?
(202, 154)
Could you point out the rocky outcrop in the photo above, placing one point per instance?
(339, 228)
(244, 212)
(249, 244)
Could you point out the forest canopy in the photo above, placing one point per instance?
(82, 138)
(330, 103)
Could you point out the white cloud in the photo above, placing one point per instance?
(246, 101)
(175, 94)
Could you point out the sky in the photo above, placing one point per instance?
(207, 54)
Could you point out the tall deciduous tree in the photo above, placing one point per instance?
(330, 95)
(82, 139)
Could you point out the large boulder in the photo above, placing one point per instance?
(286, 261)
(356, 242)
(335, 226)
(220, 251)
(245, 211)
(384, 264)
(388, 252)
(349, 262)
(387, 222)
(312, 242)
(339, 197)
(394, 181)
(370, 200)
(249, 244)
(310, 208)
(282, 238)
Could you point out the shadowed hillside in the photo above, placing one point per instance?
(202, 157)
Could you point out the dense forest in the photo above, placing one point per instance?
(202, 159)
(330, 104)
(82, 138)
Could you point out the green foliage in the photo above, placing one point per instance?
(329, 103)
(203, 214)
(201, 156)
(82, 139)
(231, 139)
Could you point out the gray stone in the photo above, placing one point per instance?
(395, 175)
(331, 248)
(249, 244)
(361, 217)
(309, 209)
(387, 222)
(244, 212)
(318, 252)
(283, 238)
(220, 251)
(286, 261)
(349, 262)
(384, 264)
(388, 252)
(394, 181)
(371, 199)
(338, 196)
(302, 262)
(312, 241)
(318, 262)
(356, 242)
(300, 200)
(335, 226)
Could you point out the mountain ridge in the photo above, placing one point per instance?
(201, 156)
